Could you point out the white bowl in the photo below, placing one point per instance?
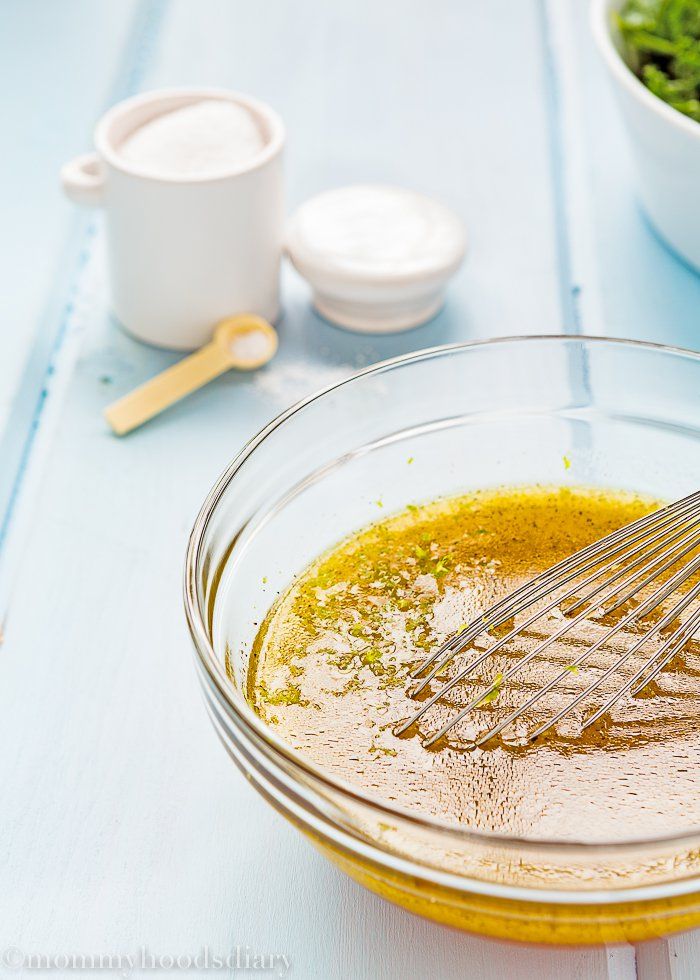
(378, 258)
(666, 144)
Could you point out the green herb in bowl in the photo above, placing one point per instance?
(662, 45)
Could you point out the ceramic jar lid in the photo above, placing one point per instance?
(377, 257)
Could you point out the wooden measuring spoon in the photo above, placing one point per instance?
(243, 342)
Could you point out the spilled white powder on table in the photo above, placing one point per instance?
(287, 382)
(208, 137)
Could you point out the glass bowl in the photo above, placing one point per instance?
(504, 412)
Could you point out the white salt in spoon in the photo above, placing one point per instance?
(243, 342)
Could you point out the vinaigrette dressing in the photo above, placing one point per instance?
(330, 666)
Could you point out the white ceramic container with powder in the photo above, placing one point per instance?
(191, 184)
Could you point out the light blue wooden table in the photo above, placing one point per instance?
(122, 823)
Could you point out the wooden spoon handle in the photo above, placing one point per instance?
(166, 388)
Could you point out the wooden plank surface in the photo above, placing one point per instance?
(124, 824)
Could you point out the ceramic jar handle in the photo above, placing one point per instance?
(83, 181)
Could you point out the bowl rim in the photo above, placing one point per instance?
(244, 713)
(600, 11)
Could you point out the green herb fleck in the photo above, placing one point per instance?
(371, 656)
(283, 695)
(493, 694)
(409, 460)
(567, 462)
(441, 567)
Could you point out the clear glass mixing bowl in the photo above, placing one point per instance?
(479, 415)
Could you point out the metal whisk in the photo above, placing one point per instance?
(636, 568)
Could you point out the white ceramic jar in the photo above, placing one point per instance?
(185, 252)
(665, 143)
(377, 257)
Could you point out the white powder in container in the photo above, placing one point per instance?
(202, 139)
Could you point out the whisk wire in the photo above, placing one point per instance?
(673, 644)
(655, 629)
(543, 584)
(622, 565)
(500, 644)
